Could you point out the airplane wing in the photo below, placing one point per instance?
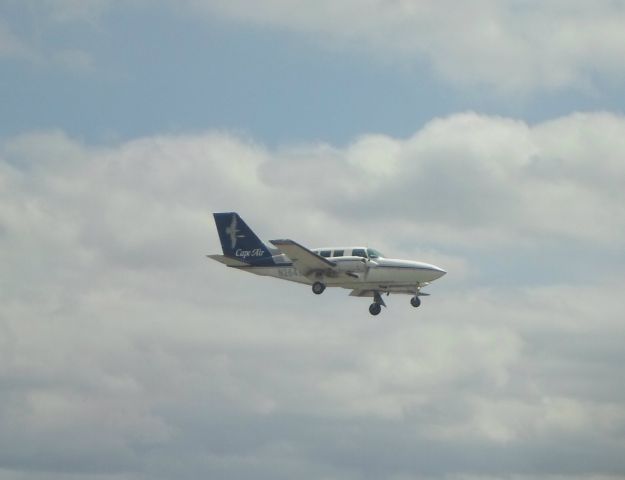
(304, 260)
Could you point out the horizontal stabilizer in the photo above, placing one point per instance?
(231, 262)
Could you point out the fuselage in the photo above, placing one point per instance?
(368, 269)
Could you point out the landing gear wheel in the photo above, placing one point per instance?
(375, 308)
(318, 288)
(415, 301)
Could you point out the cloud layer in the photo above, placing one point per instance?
(503, 45)
(509, 45)
(126, 354)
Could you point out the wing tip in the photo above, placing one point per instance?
(282, 241)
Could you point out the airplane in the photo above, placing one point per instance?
(365, 271)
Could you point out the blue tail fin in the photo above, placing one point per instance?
(239, 241)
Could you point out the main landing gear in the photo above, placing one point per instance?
(318, 288)
(376, 307)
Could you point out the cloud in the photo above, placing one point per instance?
(496, 180)
(67, 11)
(11, 46)
(46, 20)
(511, 46)
(124, 353)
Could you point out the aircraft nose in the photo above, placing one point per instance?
(439, 271)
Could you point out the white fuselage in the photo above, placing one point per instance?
(368, 270)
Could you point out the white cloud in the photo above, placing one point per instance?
(497, 180)
(11, 46)
(505, 46)
(510, 45)
(64, 11)
(48, 15)
(125, 354)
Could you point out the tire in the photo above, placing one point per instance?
(318, 288)
(375, 308)
(415, 301)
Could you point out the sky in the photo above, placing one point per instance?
(485, 137)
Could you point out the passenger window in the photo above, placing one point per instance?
(325, 253)
(339, 253)
(359, 252)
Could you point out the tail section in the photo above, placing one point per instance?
(239, 241)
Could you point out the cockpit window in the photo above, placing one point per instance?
(373, 253)
(359, 252)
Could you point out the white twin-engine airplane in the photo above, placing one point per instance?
(363, 270)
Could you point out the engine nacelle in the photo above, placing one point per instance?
(351, 264)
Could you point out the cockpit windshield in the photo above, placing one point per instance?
(373, 253)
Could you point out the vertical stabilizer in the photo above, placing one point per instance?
(239, 241)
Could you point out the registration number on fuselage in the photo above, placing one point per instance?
(288, 272)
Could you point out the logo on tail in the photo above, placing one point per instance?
(233, 232)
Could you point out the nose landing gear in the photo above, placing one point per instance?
(415, 301)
